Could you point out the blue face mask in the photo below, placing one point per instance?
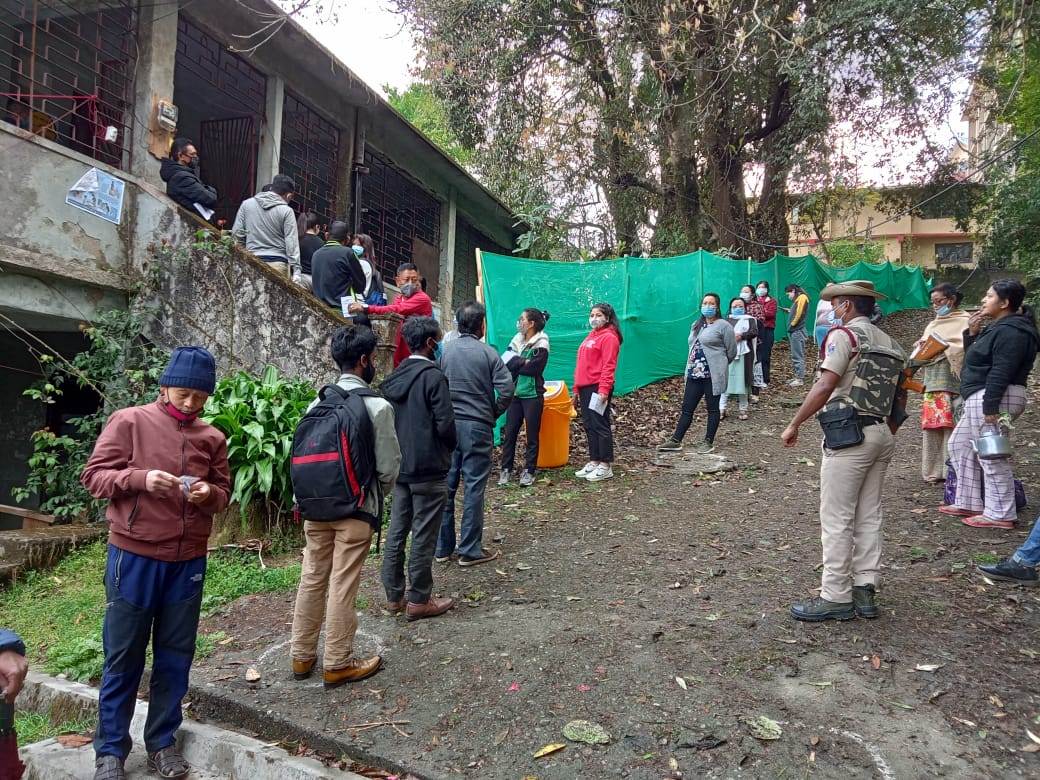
(942, 311)
(708, 311)
(746, 296)
(762, 292)
(437, 351)
(736, 312)
(358, 250)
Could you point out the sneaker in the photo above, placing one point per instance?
(526, 479)
(443, 558)
(863, 600)
(503, 478)
(795, 382)
(981, 521)
(601, 473)
(670, 445)
(754, 399)
(585, 470)
(1010, 570)
(704, 448)
(486, 555)
(819, 609)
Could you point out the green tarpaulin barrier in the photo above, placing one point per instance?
(657, 299)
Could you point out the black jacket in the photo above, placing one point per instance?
(185, 187)
(334, 272)
(1001, 355)
(423, 417)
(309, 244)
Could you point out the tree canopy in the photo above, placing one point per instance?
(641, 121)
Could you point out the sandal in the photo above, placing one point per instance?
(743, 416)
(168, 763)
(109, 768)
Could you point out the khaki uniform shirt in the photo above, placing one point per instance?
(840, 357)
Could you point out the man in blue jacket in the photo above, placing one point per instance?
(425, 424)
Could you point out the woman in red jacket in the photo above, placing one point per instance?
(765, 311)
(593, 387)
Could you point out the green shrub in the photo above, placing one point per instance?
(82, 658)
(258, 416)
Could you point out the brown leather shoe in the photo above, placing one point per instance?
(357, 669)
(395, 606)
(437, 605)
(301, 670)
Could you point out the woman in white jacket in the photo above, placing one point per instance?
(742, 369)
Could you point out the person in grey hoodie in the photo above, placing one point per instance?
(475, 374)
(266, 224)
(425, 423)
(713, 347)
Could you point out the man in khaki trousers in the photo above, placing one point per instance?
(336, 549)
(851, 478)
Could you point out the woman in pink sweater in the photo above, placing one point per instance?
(593, 387)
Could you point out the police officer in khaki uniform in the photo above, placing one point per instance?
(851, 478)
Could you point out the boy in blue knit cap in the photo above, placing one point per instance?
(165, 474)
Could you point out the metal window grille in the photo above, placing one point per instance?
(233, 87)
(394, 210)
(467, 240)
(954, 254)
(310, 154)
(67, 73)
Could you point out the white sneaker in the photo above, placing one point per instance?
(795, 383)
(585, 470)
(600, 473)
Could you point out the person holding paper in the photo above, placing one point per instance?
(335, 271)
(410, 302)
(180, 171)
(593, 386)
(526, 358)
(713, 346)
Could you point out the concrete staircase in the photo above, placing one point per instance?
(41, 548)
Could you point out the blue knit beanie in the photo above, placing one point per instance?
(191, 367)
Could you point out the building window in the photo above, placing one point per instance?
(68, 74)
(954, 254)
(310, 154)
(394, 211)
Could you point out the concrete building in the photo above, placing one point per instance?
(83, 86)
(929, 239)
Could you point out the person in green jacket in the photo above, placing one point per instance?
(526, 358)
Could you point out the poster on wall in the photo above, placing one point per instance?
(99, 193)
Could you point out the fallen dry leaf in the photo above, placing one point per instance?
(996, 700)
(681, 683)
(550, 749)
(252, 675)
(875, 661)
(74, 740)
(927, 667)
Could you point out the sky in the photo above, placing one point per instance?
(369, 39)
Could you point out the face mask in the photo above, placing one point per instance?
(745, 295)
(437, 351)
(408, 290)
(358, 250)
(178, 415)
(368, 373)
(942, 311)
(597, 322)
(708, 311)
(521, 327)
(194, 162)
(835, 319)
(762, 292)
(736, 312)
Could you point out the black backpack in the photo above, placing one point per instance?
(333, 457)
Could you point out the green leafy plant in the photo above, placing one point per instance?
(258, 416)
(82, 658)
(35, 727)
(123, 370)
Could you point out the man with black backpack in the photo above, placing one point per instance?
(345, 460)
(426, 430)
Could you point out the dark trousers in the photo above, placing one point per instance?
(597, 427)
(765, 350)
(146, 598)
(521, 411)
(695, 390)
(416, 509)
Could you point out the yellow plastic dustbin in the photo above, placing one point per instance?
(554, 436)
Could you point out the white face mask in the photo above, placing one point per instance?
(597, 322)
(762, 292)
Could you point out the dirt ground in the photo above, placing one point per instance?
(656, 606)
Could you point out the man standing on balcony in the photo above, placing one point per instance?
(180, 171)
(266, 224)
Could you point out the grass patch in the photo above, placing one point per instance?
(59, 613)
(983, 558)
(36, 727)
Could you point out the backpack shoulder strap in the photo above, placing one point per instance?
(847, 331)
(343, 393)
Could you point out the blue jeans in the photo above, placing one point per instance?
(471, 465)
(146, 598)
(798, 337)
(1029, 553)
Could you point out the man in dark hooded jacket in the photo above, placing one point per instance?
(425, 423)
(180, 171)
